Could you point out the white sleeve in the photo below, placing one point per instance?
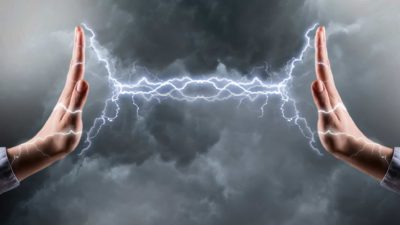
(391, 180)
(8, 180)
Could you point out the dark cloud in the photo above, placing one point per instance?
(199, 163)
(202, 33)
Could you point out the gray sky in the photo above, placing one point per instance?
(200, 163)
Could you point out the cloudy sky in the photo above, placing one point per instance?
(199, 163)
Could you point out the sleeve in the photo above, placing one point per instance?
(8, 180)
(391, 180)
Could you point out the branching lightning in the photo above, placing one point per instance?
(181, 89)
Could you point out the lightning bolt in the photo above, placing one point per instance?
(63, 107)
(337, 107)
(181, 89)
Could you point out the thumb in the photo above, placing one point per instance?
(321, 99)
(78, 101)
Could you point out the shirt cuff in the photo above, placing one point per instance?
(391, 180)
(8, 180)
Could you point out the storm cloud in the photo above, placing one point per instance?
(199, 163)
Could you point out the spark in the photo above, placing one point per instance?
(63, 107)
(181, 89)
(337, 107)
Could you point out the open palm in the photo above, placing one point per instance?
(62, 132)
(337, 131)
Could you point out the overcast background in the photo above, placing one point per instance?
(200, 163)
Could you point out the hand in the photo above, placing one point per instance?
(62, 132)
(337, 130)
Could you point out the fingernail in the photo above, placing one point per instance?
(76, 34)
(80, 87)
(319, 86)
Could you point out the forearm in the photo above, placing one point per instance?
(27, 159)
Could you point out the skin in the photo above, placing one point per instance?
(63, 130)
(337, 131)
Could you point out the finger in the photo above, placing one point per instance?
(78, 56)
(77, 66)
(74, 112)
(323, 68)
(321, 99)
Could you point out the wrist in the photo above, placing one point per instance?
(370, 157)
(14, 155)
(31, 157)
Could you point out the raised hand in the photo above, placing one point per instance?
(62, 132)
(337, 130)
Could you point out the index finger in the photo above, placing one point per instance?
(77, 66)
(323, 67)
